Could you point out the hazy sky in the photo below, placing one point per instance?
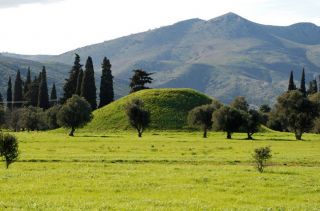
(57, 26)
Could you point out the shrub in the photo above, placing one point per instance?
(9, 148)
(260, 156)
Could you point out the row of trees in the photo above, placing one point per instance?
(82, 83)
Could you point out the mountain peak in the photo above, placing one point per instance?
(230, 16)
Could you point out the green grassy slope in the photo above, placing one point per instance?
(168, 107)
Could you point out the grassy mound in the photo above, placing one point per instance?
(169, 109)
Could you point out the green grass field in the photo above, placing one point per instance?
(161, 171)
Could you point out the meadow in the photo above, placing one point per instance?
(160, 171)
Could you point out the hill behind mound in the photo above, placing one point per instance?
(169, 109)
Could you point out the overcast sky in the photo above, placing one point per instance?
(57, 26)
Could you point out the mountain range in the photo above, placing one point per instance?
(223, 57)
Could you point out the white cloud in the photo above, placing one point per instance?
(15, 3)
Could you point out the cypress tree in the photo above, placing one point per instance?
(291, 86)
(313, 87)
(9, 95)
(70, 86)
(43, 97)
(27, 83)
(303, 83)
(17, 91)
(106, 85)
(53, 94)
(79, 82)
(34, 92)
(88, 87)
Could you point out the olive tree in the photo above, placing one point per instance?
(261, 156)
(251, 122)
(227, 119)
(75, 113)
(9, 148)
(138, 116)
(296, 112)
(201, 117)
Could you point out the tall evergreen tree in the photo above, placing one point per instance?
(17, 91)
(88, 87)
(106, 85)
(70, 86)
(27, 84)
(303, 83)
(291, 86)
(313, 87)
(79, 82)
(53, 94)
(43, 97)
(9, 95)
(34, 92)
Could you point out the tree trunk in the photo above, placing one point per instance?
(298, 136)
(205, 133)
(139, 134)
(249, 136)
(228, 135)
(72, 131)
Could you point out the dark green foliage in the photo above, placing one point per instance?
(34, 92)
(313, 87)
(53, 95)
(139, 79)
(79, 82)
(138, 116)
(27, 83)
(261, 156)
(251, 122)
(43, 96)
(52, 117)
(291, 85)
(303, 83)
(227, 119)
(106, 85)
(75, 113)
(9, 95)
(88, 86)
(240, 103)
(70, 86)
(9, 148)
(18, 91)
(275, 121)
(316, 126)
(264, 108)
(296, 112)
(201, 116)
(2, 116)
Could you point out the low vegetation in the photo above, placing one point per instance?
(9, 149)
(261, 156)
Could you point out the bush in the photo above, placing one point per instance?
(52, 117)
(138, 117)
(260, 156)
(9, 148)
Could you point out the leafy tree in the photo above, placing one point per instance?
(296, 112)
(252, 121)
(138, 116)
(9, 148)
(52, 117)
(303, 83)
(227, 119)
(106, 85)
(261, 156)
(201, 116)
(264, 108)
(139, 79)
(79, 82)
(30, 118)
(313, 87)
(275, 121)
(291, 86)
(70, 86)
(17, 91)
(75, 113)
(2, 116)
(43, 97)
(9, 95)
(88, 86)
(240, 103)
(53, 95)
